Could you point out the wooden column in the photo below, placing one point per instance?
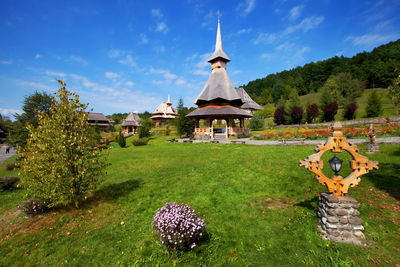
(227, 131)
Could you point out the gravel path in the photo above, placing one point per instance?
(4, 156)
(386, 140)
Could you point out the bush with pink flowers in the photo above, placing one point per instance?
(178, 226)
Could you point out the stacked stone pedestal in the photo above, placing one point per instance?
(372, 148)
(338, 219)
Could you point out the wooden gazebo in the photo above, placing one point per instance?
(220, 100)
(131, 124)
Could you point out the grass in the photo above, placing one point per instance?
(260, 210)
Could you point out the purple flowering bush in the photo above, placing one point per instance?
(33, 207)
(178, 226)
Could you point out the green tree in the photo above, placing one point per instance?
(121, 139)
(348, 86)
(145, 127)
(394, 93)
(257, 122)
(180, 119)
(374, 105)
(59, 165)
(33, 104)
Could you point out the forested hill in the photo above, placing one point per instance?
(373, 69)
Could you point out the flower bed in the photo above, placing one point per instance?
(382, 130)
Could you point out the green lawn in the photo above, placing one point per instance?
(260, 210)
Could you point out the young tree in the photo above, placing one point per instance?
(280, 116)
(184, 125)
(394, 93)
(374, 105)
(180, 119)
(145, 127)
(59, 164)
(350, 111)
(257, 122)
(312, 112)
(121, 139)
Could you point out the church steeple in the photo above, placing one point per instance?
(218, 58)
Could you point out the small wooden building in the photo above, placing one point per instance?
(220, 100)
(131, 124)
(101, 121)
(164, 112)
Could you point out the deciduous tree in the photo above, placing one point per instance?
(59, 164)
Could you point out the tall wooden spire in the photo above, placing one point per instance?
(219, 55)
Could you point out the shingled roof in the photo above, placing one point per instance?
(131, 120)
(218, 86)
(248, 102)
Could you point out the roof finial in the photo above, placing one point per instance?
(219, 15)
(169, 100)
(219, 53)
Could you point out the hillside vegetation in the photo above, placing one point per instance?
(375, 69)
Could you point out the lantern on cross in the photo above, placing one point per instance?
(337, 143)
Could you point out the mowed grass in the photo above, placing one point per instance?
(259, 206)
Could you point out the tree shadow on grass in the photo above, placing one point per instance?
(112, 192)
(311, 204)
(387, 178)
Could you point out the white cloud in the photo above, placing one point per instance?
(157, 13)
(9, 111)
(286, 46)
(306, 24)
(238, 33)
(34, 85)
(295, 12)
(6, 62)
(209, 20)
(37, 56)
(55, 73)
(111, 75)
(143, 38)
(127, 60)
(114, 53)
(266, 55)
(78, 60)
(161, 27)
(166, 73)
(201, 72)
(265, 38)
(129, 83)
(159, 49)
(245, 7)
(371, 39)
(203, 61)
(236, 72)
(180, 81)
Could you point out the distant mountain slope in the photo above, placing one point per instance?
(375, 69)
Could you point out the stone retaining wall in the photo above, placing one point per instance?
(338, 219)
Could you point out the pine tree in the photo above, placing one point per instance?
(374, 105)
(180, 119)
(121, 139)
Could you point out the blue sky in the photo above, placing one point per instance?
(123, 56)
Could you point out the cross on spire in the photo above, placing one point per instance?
(219, 15)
